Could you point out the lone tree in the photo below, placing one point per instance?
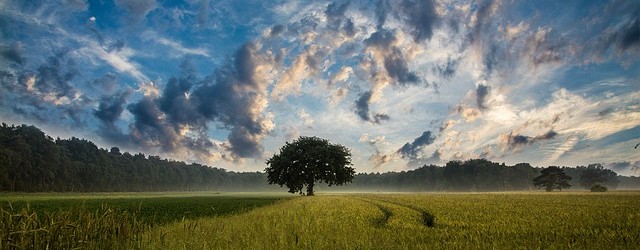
(552, 178)
(307, 160)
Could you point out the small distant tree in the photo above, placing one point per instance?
(552, 178)
(307, 160)
(597, 187)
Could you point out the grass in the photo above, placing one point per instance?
(558, 220)
(107, 221)
(397, 221)
(152, 208)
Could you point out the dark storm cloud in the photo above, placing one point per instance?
(421, 17)
(146, 114)
(362, 106)
(396, 66)
(481, 93)
(175, 102)
(12, 53)
(231, 99)
(111, 107)
(410, 150)
(230, 96)
(137, 9)
(148, 128)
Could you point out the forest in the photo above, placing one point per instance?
(31, 161)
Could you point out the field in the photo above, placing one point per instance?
(559, 220)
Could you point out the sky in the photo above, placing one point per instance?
(401, 83)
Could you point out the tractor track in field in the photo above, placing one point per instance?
(386, 212)
(427, 218)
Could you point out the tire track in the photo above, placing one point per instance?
(428, 219)
(386, 212)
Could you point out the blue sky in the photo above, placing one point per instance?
(402, 83)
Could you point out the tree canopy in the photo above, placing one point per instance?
(307, 160)
(31, 161)
(552, 178)
(596, 173)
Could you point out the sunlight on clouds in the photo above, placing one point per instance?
(149, 89)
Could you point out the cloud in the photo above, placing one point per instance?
(12, 53)
(303, 67)
(277, 29)
(306, 118)
(362, 110)
(381, 11)
(481, 94)
(55, 76)
(377, 118)
(149, 89)
(137, 9)
(111, 107)
(237, 99)
(335, 13)
(515, 141)
(149, 128)
(180, 48)
(362, 106)
(446, 69)
(617, 28)
(120, 60)
(411, 150)
(421, 17)
(396, 66)
(175, 101)
(106, 84)
(377, 157)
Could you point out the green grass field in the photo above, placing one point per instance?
(559, 220)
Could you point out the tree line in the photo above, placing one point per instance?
(484, 175)
(31, 161)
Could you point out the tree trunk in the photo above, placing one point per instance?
(310, 189)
